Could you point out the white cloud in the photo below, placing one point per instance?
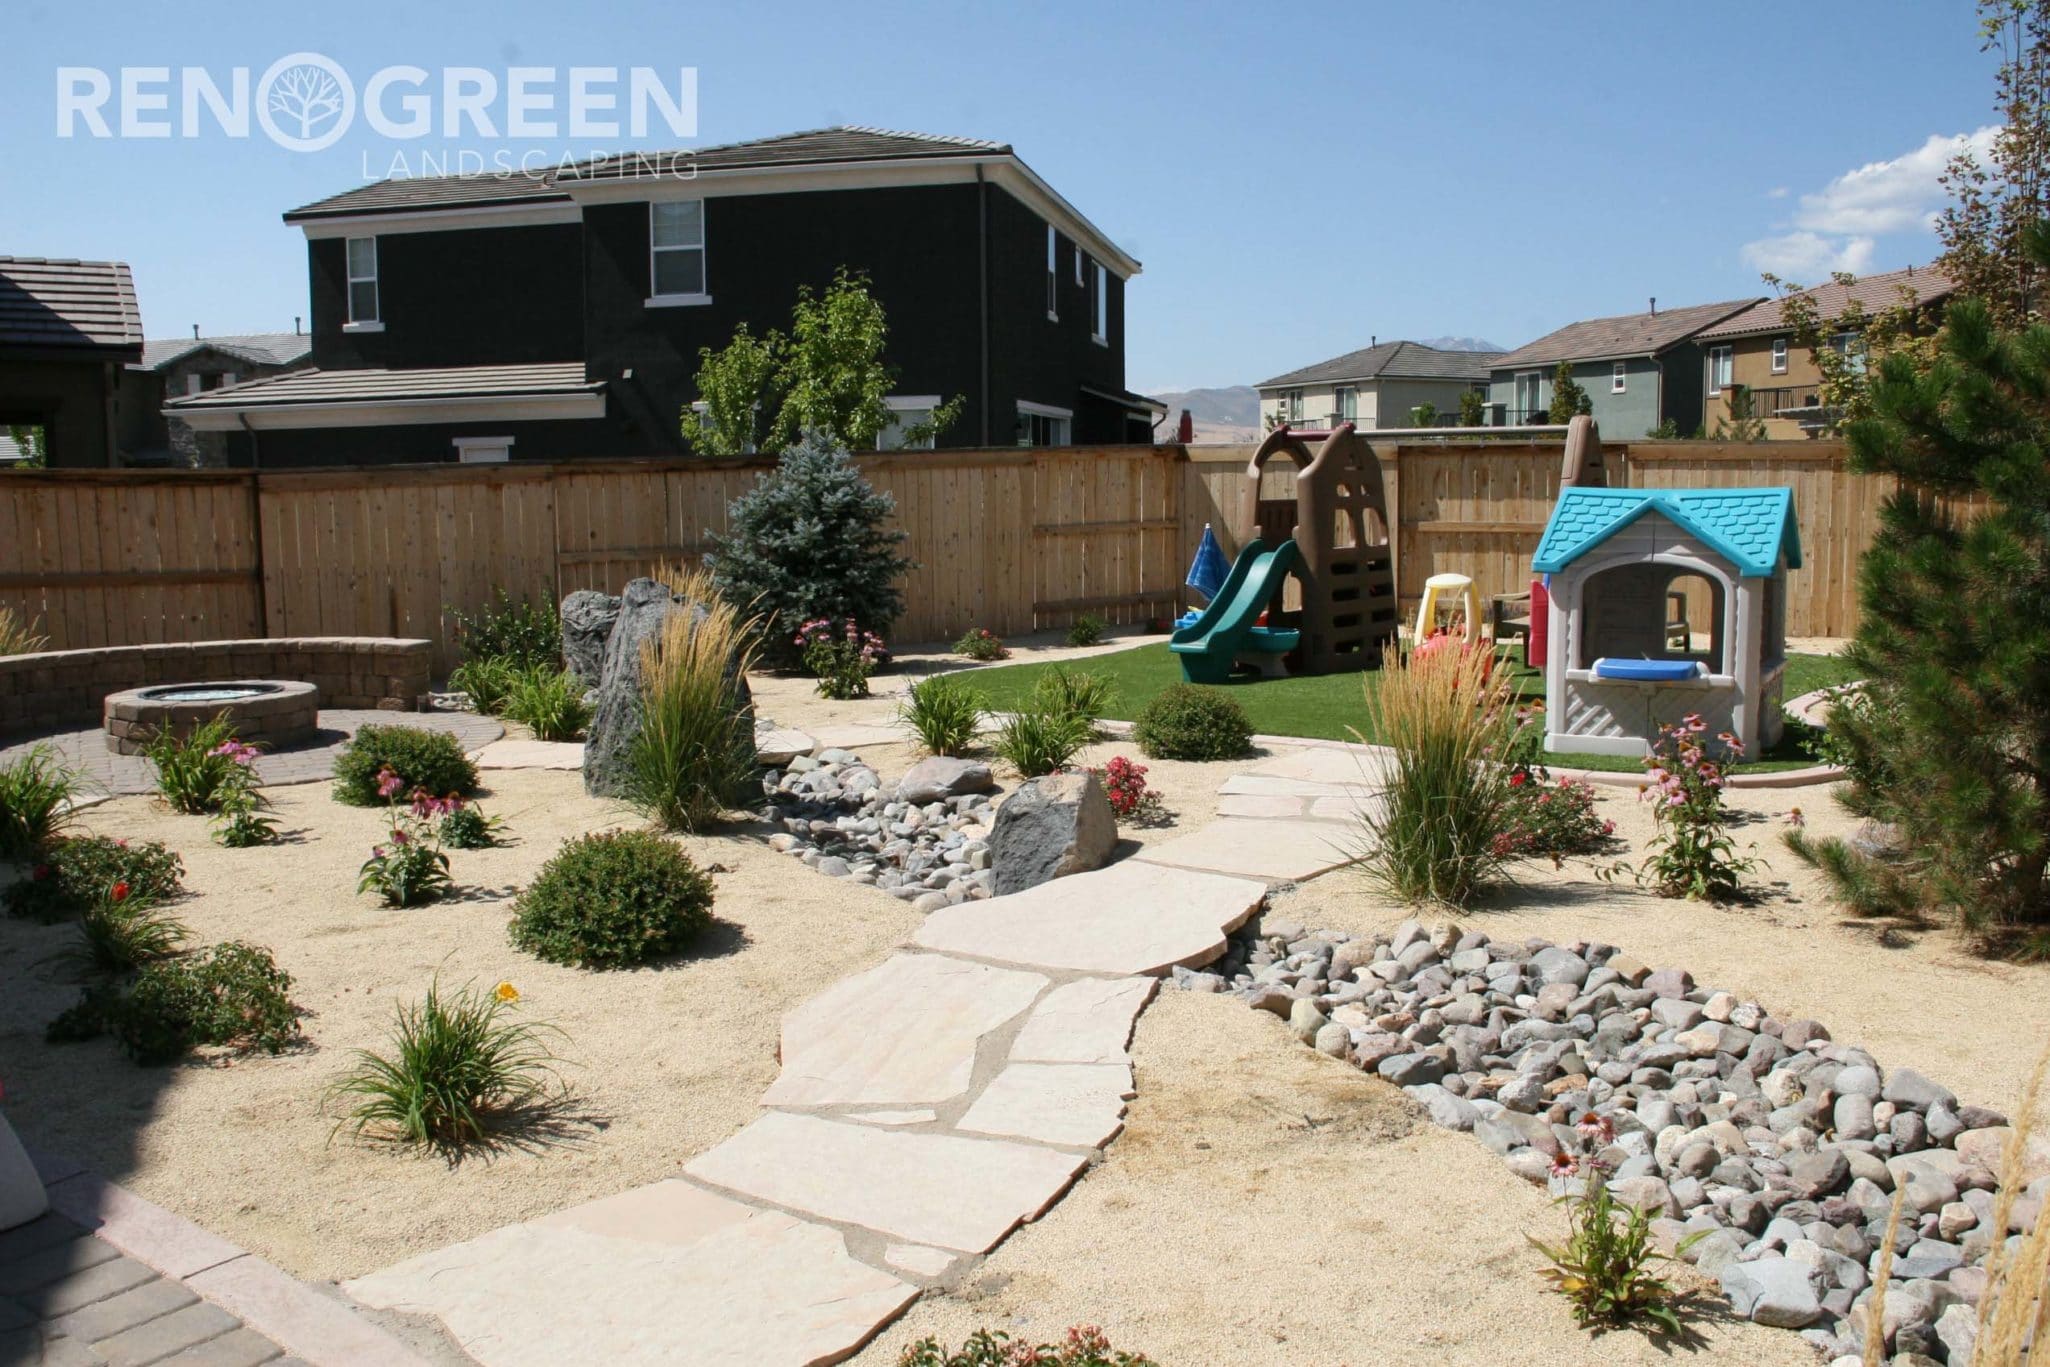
(1809, 258)
(1778, 192)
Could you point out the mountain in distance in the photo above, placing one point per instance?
(1230, 414)
(1460, 344)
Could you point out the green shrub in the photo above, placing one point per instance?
(456, 1072)
(487, 682)
(693, 759)
(36, 791)
(613, 900)
(1080, 694)
(1086, 630)
(1035, 741)
(1551, 820)
(229, 994)
(1084, 1346)
(433, 760)
(467, 828)
(76, 872)
(118, 934)
(245, 825)
(1186, 722)
(982, 645)
(549, 702)
(523, 634)
(944, 713)
(205, 771)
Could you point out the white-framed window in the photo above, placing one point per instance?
(676, 252)
(1100, 281)
(1081, 261)
(1053, 279)
(1530, 393)
(483, 450)
(363, 301)
(1619, 377)
(1779, 355)
(1720, 359)
(194, 383)
(1345, 403)
(1288, 405)
(1850, 346)
(906, 411)
(1042, 424)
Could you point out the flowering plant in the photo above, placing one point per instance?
(1548, 819)
(982, 645)
(411, 869)
(465, 827)
(208, 770)
(1692, 854)
(1605, 1265)
(1124, 783)
(840, 658)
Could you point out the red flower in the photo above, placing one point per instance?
(1518, 779)
(39, 872)
(119, 892)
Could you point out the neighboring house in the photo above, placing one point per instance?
(1640, 371)
(66, 330)
(195, 365)
(1379, 386)
(1757, 350)
(487, 318)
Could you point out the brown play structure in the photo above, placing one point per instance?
(1339, 522)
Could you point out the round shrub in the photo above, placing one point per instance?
(433, 760)
(79, 870)
(613, 900)
(1186, 722)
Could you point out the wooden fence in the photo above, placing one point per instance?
(1009, 539)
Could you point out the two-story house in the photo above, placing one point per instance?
(1382, 385)
(1641, 371)
(487, 318)
(66, 330)
(177, 366)
(1757, 351)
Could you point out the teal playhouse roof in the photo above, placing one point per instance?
(1748, 527)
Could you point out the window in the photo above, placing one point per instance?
(676, 252)
(1530, 395)
(1850, 346)
(1779, 355)
(1102, 302)
(1053, 279)
(483, 450)
(363, 310)
(1718, 369)
(1080, 261)
(1288, 405)
(1345, 403)
(194, 383)
(1043, 425)
(1619, 377)
(906, 412)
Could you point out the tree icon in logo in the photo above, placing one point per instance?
(305, 102)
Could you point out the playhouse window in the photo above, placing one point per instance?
(1651, 612)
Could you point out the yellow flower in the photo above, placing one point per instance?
(506, 992)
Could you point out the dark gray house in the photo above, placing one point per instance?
(180, 366)
(66, 330)
(1640, 370)
(489, 318)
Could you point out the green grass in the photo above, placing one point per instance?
(1332, 706)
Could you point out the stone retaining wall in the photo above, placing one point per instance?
(66, 688)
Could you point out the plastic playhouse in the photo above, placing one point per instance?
(1331, 539)
(1662, 602)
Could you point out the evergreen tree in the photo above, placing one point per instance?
(1951, 745)
(1568, 399)
(1473, 408)
(1742, 424)
(811, 539)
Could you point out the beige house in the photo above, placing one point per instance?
(1756, 349)
(1378, 387)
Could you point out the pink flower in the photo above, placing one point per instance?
(388, 782)
(1597, 1127)
(1564, 1165)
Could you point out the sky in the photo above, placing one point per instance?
(1296, 179)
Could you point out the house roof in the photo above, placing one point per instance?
(87, 305)
(322, 387)
(1926, 285)
(1632, 334)
(1748, 527)
(1393, 361)
(257, 348)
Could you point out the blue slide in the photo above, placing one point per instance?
(1213, 643)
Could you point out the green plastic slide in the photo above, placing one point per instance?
(1215, 641)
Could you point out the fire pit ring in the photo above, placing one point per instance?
(272, 712)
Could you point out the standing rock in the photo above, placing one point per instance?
(940, 777)
(588, 617)
(1051, 827)
(616, 720)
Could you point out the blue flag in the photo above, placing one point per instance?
(1209, 570)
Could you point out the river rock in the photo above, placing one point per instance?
(940, 777)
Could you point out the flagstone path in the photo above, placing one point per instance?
(927, 1106)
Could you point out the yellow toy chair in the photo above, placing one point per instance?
(1452, 593)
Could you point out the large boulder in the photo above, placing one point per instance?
(940, 777)
(1051, 827)
(588, 617)
(616, 719)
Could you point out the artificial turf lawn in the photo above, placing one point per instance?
(1331, 707)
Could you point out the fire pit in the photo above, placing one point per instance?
(273, 712)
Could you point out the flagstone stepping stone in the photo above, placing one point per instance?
(917, 1117)
(1354, 768)
(918, 1259)
(855, 735)
(1352, 807)
(904, 1032)
(1264, 806)
(531, 754)
(1278, 851)
(1130, 918)
(940, 1189)
(1079, 1104)
(1084, 1022)
(776, 748)
(661, 1274)
(1269, 785)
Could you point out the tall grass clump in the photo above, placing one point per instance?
(1439, 832)
(693, 759)
(1037, 741)
(2014, 1310)
(548, 701)
(206, 770)
(18, 636)
(36, 791)
(943, 713)
(1076, 694)
(119, 933)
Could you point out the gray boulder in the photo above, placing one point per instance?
(1772, 1291)
(939, 778)
(616, 720)
(588, 617)
(1051, 827)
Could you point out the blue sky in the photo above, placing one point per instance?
(1296, 179)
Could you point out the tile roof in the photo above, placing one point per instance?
(1925, 285)
(814, 147)
(381, 386)
(1394, 360)
(84, 304)
(258, 348)
(1634, 334)
(1749, 527)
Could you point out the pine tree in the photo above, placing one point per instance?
(1569, 400)
(811, 539)
(1951, 746)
